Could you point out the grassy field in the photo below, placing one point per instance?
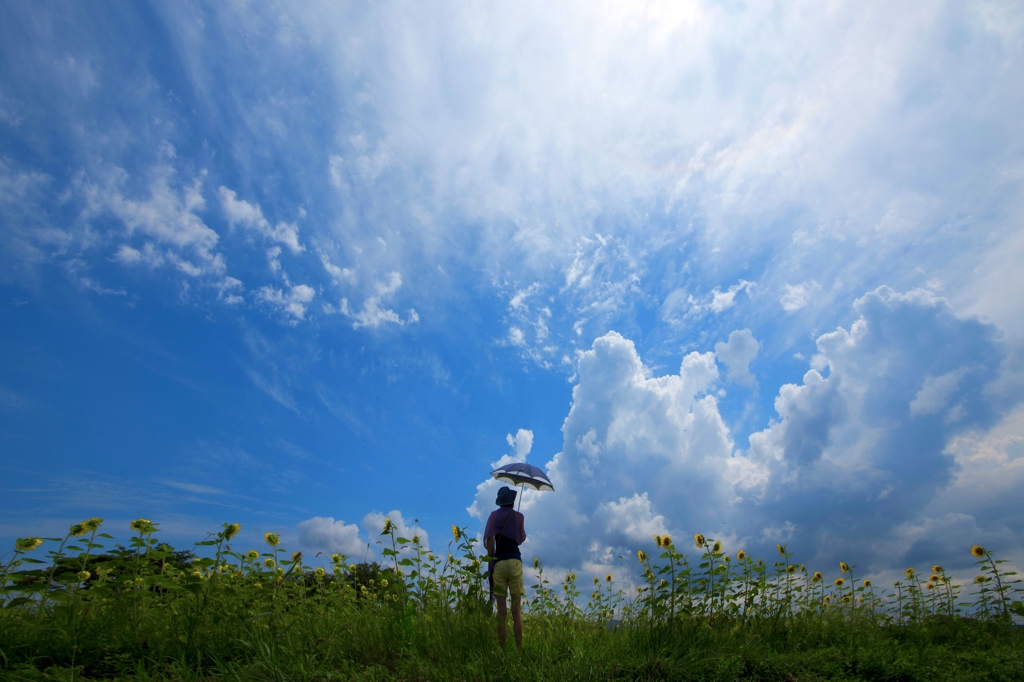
(93, 609)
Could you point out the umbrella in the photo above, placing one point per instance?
(523, 475)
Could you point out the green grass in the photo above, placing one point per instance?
(147, 611)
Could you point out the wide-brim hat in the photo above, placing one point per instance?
(506, 496)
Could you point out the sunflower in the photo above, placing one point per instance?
(640, 555)
(252, 555)
(93, 523)
(698, 539)
(335, 558)
(296, 557)
(657, 540)
(839, 582)
(936, 569)
(27, 544)
(782, 550)
(978, 551)
(231, 530)
(84, 575)
(980, 579)
(272, 539)
(388, 526)
(142, 526)
(666, 541)
(78, 530)
(456, 533)
(846, 599)
(320, 572)
(608, 577)
(844, 567)
(817, 577)
(933, 577)
(910, 572)
(536, 560)
(717, 548)
(828, 599)
(269, 563)
(867, 583)
(383, 582)
(741, 555)
(791, 569)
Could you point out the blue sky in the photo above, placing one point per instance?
(745, 270)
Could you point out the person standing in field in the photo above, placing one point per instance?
(504, 532)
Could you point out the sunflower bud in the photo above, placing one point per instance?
(27, 544)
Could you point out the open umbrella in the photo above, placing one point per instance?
(524, 476)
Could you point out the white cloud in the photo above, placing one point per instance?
(167, 221)
(241, 212)
(868, 439)
(330, 536)
(292, 302)
(273, 259)
(774, 176)
(723, 300)
(373, 314)
(798, 296)
(374, 524)
(737, 354)
(338, 274)
(645, 454)
(522, 442)
(632, 444)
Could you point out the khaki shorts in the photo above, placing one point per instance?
(508, 575)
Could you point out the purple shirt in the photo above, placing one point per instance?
(515, 528)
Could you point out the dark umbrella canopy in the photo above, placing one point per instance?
(525, 475)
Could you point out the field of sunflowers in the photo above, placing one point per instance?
(85, 607)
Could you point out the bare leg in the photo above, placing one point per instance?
(502, 614)
(517, 622)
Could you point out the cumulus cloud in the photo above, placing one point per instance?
(374, 524)
(522, 443)
(639, 453)
(325, 534)
(871, 449)
(863, 444)
(737, 354)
